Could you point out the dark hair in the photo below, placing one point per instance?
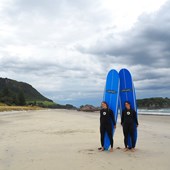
(127, 102)
(105, 103)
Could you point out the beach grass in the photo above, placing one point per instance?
(42, 103)
(18, 108)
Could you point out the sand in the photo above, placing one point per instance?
(68, 140)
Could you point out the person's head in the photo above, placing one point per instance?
(104, 105)
(127, 105)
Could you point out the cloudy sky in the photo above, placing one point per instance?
(65, 48)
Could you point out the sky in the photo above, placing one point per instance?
(65, 48)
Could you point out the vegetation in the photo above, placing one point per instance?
(18, 93)
(154, 103)
(4, 107)
(13, 93)
(52, 105)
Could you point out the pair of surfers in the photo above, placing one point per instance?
(107, 120)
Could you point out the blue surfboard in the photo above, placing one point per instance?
(127, 93)
(111, 96)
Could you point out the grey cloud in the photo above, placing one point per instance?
(147, 43)
(40, 7)
(61, 22)
(144, 49)
(70, 44)
(53, 9)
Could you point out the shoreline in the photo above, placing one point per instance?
(156, 114)
(25, 109)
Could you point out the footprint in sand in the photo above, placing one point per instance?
(88, 151)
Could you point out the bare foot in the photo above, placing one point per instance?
(101, 149)
(111, 150)
(125, 149)
(133, 150)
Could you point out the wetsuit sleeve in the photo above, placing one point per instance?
(122, 118)
(135, 117)
(112, 117)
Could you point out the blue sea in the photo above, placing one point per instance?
(154, 111)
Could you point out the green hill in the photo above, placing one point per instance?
(17, 93)
(154, 103)
(12, 92)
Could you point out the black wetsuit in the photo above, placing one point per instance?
(127, 120)
(107, 120)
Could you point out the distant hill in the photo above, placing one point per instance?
(13, 92)
(13, 88)
(148, 103)
(154, 103)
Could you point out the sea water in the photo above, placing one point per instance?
(154, 111)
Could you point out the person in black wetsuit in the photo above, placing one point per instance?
(107, 120)
(127, 121)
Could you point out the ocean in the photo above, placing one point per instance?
(154, 111)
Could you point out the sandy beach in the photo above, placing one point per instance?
(68, 140)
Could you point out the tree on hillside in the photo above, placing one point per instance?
(15, 100)
(5, 92)
(21, 99)
(5, 96)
